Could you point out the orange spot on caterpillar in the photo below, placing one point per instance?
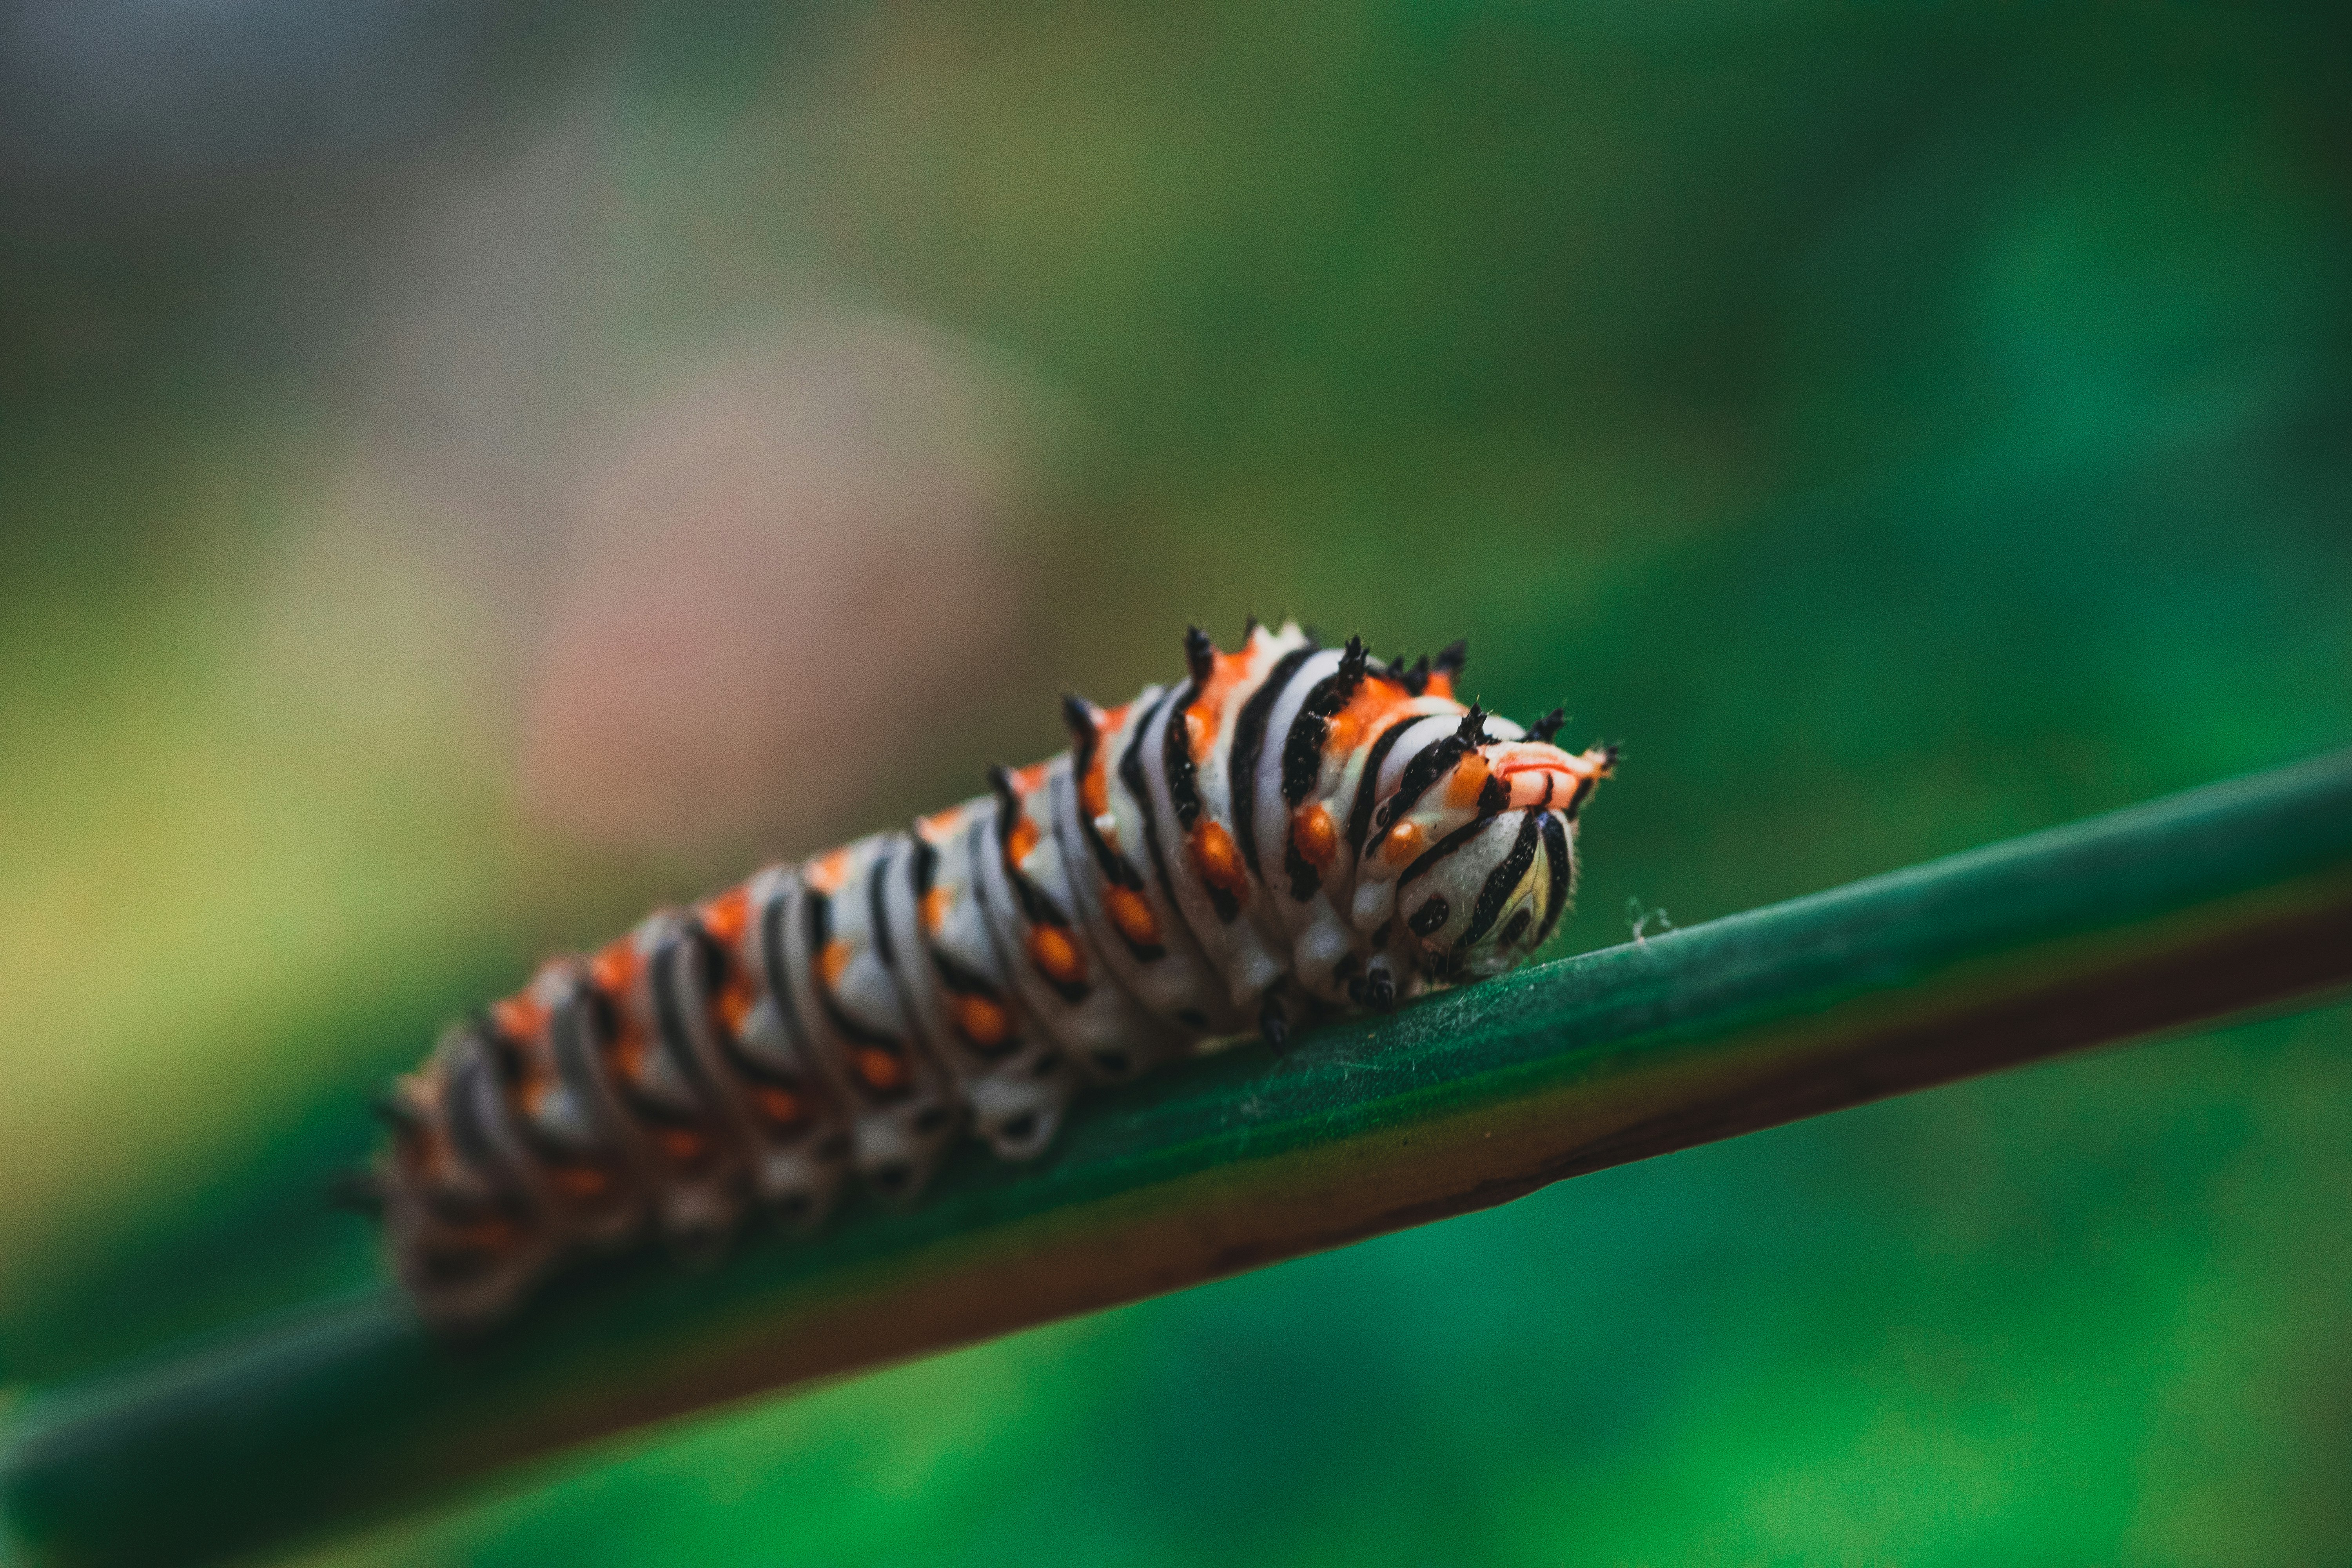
(1225, 671)
(629, 1053)
(832, 962)
(580, 1181)
(1375, 702)
(489, 1235)
(1216, 859)
(1318, 839)
(941, 824)
(1051, 948)
(1132, 915)
(829, 872)
(781, 1106)
(733, 1006)
(725, 916)
(613, 969)
(1469, 778)
(880, 1068)
(1024, 837)
(981, 1021)
(1093, 789)
(934, 910)
(1404, 842)
(682, 1146)
(518, 1018)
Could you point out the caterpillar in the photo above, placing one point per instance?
(1292, 830)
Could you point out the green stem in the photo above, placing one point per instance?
(2177, 913)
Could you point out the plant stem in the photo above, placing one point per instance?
(2181, 913)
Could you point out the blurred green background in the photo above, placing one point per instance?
(468, 472)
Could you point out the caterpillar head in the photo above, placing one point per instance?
(1471, 857)
(1482, 908)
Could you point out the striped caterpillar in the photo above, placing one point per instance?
(1291, 831)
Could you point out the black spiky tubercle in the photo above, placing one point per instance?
(1200, 655)
(1079, 719)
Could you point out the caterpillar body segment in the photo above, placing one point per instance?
(1152, 950)
(903, 1111)
(1012, 1074)
(1049, 940)
(790, 1115)
(1289, 831)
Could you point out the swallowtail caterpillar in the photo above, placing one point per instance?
(1288, 831)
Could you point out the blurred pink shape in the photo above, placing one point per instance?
(778, 580)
